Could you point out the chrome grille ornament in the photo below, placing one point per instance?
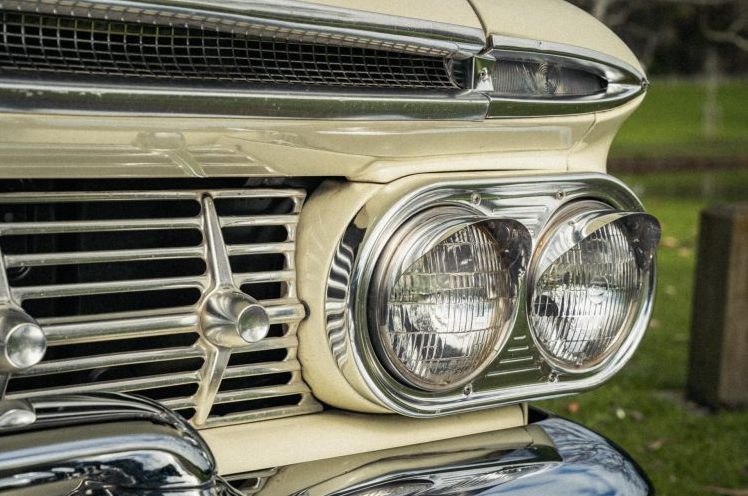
(22, 345)
(228, 318)
(107, 444)
(225, 356)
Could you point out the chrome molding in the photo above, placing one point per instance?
(625, 82)
(304, 103)
(106, 445)
(307, 22)
(222, 330)
(292, 20)
(519, 372)
(548, 456)
(250, 483)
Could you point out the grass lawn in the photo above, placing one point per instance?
(669, 122)
(685, 449)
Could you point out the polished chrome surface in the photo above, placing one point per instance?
(519, 372)
(250, 483)
(548, 456)
(16, 413)
(108, 444)
(111, 46)
(225, 321)
(285, 19)
(22, 345)
(446, 47)
(624, 81)
(463, 51)
(22, 340)
(265, 103)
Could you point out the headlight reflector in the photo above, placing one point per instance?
(447, 297)
(590, 281)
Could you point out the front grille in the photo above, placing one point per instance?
(51, 46)
(116, 279)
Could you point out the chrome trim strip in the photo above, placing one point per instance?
(625, 82)
(519, 373)
(32, 97)
(302, 21)
(292, 20)
(460, 40)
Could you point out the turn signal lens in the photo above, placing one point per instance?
(530, 79)
(592, 278)
(444, 316)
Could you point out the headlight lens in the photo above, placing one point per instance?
(446, 298)
(591, 277)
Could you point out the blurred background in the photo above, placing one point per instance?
(686, 148)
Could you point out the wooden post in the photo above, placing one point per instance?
(718, 365)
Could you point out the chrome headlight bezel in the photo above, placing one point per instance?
(520, 371)
(416, 238)
(572, 225)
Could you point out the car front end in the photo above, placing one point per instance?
(313, 247)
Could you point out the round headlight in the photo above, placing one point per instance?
(445, 297)
(591, 280)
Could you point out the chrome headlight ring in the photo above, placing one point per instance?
(520, 370)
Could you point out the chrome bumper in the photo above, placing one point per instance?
(106, 445)
(549, 456)
(116, 445)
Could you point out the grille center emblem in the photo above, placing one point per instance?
(230, 319)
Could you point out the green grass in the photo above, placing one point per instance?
(669, 123)
(685, 449)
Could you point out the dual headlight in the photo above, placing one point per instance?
(447, 289)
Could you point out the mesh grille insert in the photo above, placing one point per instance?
(54, 45)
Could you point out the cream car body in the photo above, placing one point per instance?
(370, 155)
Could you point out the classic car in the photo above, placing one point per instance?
(315, 247)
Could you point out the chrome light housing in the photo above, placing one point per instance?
(444, 297)
(591, 279)
(396, 321)
(530, 78)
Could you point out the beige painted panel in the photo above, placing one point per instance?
(551, 20)
(33, 146)
(280, 442)
(447, 11)
(330, 475)
(590, 153)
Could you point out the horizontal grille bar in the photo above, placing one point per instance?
(260, 277)
(268, 413)
(120, 291)
(83, 257)
(261, 369)
(113, 360)
(261, 248)
(115, 386)
(260, 393)
(18, 228)
(266, 220)
(62, 290)
(123, 328)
